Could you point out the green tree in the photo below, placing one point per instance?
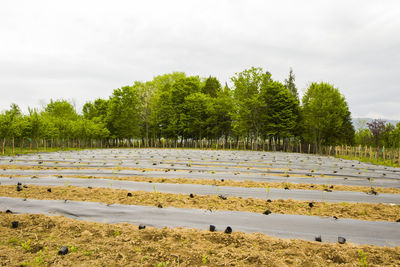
(290, 85)
(280, 111)
(327, 119)
(123, 113)
(247, 88)
(212, 87)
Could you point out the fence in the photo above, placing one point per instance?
(363, 153)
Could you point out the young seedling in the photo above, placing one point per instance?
(267, 190)
(204, 259)
(362, 258)
(26, 245)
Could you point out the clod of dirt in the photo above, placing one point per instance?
(40, 162)
(14, 224)
(142, 226)
(129, 194)
(222, 197)
(228, 230)
(150, 182)
(267, 212)
(212, 228)
(318, 238)
(9, 211)
(398, 220)
(331, 187)
(49, 190)
(311, 204)
(63, 250)
(159, 206)
(341, 240)
(191, 195)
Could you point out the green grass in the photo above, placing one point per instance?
(379, 161)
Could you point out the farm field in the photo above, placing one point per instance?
(275, 203)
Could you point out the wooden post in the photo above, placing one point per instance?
(309, 147)
(230, 144)
(384, 155)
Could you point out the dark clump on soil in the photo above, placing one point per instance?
(63, 250)
(212, 228)
(14, 224)
(341, 240)
(318, 238)
(267, 212)
(228, 230)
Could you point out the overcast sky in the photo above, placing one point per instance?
(82, 50)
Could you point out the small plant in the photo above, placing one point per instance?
(13, 241)
(117, 233)
(26, 245)
(362, 258)
(267, 190)
(73, 249)
(204, 259)
(371, 180)
(162, 264)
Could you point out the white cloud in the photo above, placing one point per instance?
(84, 49)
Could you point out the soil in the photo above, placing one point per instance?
(360, 211)
(228, 182)
(97, 244)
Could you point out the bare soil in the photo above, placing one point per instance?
(38, 239)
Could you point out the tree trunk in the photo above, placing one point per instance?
(4, 143)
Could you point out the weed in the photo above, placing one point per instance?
(26, 245)
(73, 249)
(13, 241)
(162, 264)
(117, 233)
(267, 190)
(362, 258)
(204, 259)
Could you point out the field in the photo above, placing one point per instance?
(278, 206)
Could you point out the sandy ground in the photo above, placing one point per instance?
(38, 238)
(361, 211)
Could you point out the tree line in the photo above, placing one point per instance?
(378, 133)
(183, 109)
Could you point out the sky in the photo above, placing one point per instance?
(82, 50)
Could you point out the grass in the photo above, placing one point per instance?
(17, 150)
(394, 163)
